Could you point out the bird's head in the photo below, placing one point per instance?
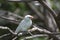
(29, 16)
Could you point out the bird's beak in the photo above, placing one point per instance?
(31, 17)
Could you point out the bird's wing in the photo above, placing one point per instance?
(23, 26)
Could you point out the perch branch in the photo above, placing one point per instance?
(34, 36)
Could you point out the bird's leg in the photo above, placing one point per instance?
(30, 33)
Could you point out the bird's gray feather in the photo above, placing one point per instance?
(24, 25)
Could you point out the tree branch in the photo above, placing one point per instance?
(34, 36)
(46, 6)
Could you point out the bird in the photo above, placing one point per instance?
(25, 24)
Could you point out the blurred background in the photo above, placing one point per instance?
(12, 12)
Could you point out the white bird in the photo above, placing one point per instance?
(25, 24)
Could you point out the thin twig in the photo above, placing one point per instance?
(35, 10)
(1, 27)
(4, 35)
(15, 15)
(14, 38)
(13, 21)
(50, 9)
(33, 36)
(43, 31)
(20, 0)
